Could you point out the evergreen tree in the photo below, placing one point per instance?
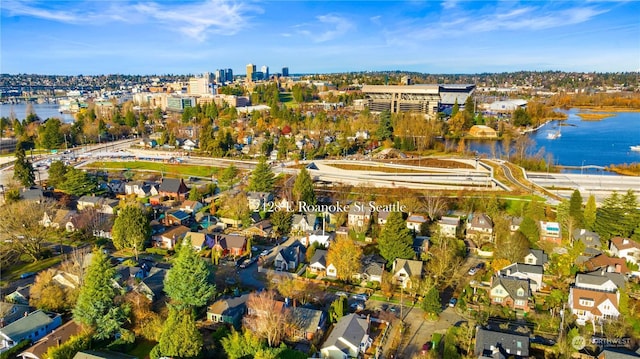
(180, 336)
(338, 309)
(385, 129)
(431, 302)
(189, 281)
(575, 209)
(57, 174)
(529, 228)
(22, 169)
(262, 177)
(131, 229)
(50, 135)
(95, 307)
(456, 108)
(396, 240)
(618, 216)
(77, 182)
(590, 213)
(303, 188)
(281, 221)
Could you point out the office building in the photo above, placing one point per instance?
(285, 72)
(426, 99)
(228, 74)
(220, 76)
(265, 72)
(199, 85)
(251, 70)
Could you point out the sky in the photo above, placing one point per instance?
(94, 37)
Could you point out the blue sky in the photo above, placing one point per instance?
(193, 36)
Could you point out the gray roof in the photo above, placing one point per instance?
(511, 285)
(350, 328)
(155, 281)
(508, 343)
(320, 257)
(373, 268)
(590, 239)
(618, 353)
(413, 268)
(22, 327)
(540, 255)
(307, 319)
(10, 312)
(599, 277)
(171, 185)
(520, 268)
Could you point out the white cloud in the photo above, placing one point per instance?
(449, 4)
(339, 27)
(196, 20)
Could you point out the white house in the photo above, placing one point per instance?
(449, 226)
(525, 271)
(625, 248)
(415, 222)
(406, 270)
(348, 339)
(595, 296)
(322, 238)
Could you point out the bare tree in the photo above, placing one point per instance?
(434, 204)
(21, 226)
(444, 259)
(267, 318)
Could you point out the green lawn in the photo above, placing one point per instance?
(14, 272)
(167, 168)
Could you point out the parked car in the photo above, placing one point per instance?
(27, 275)
(473, 271)
(264, 253)
(361, 297)
(480, 266)
(342, 294)
(453, 302)
(245, 263)
(427, 346)
(357, 306)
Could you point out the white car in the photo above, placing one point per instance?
(264, 253)
(473, 271)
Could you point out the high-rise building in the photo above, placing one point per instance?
(285, 72)
(251, 70)
(265, 72)
(199, 85)
(220, 76)
(228, 74)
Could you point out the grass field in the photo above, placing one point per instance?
(167, 168)
(351, 167)
(14, 272)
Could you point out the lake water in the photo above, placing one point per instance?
(43, 110)
(600, 143)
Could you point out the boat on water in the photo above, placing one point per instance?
(635, 148)
(552, 135)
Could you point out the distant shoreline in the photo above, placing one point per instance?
(594, 116)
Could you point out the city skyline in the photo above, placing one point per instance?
(179, 37)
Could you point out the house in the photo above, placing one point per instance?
(33, 326)
(348, 339)
(480, 228)
(262, 229)
(514, 223)
(228, 310)
(550, 232)
(510, 292)
(318, 236)
(588, 238)
(625, 248)
(595, 296)
(406, 270)
(359, 217)
(55, 338)
(382, 217)
(258, 200)
(63, 219)
(152, 286)
(524, 271)
(449, 226)
(116, 186)
(33, 193)
(536, 257)
(288, 258)
(189, 145)
(230, 244)
(494, 344)
(169, 238)
(372, 268)
(302, 223)
(173, 188)
(19, 296)
(177, 218)
(307, 323)
(92, 354)
(198, 241)
(10, 312)
(606, 263)
(189, 206)
(318, 263)
(416, 221)
(141, 189)
(421, 245)
(101, 204)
